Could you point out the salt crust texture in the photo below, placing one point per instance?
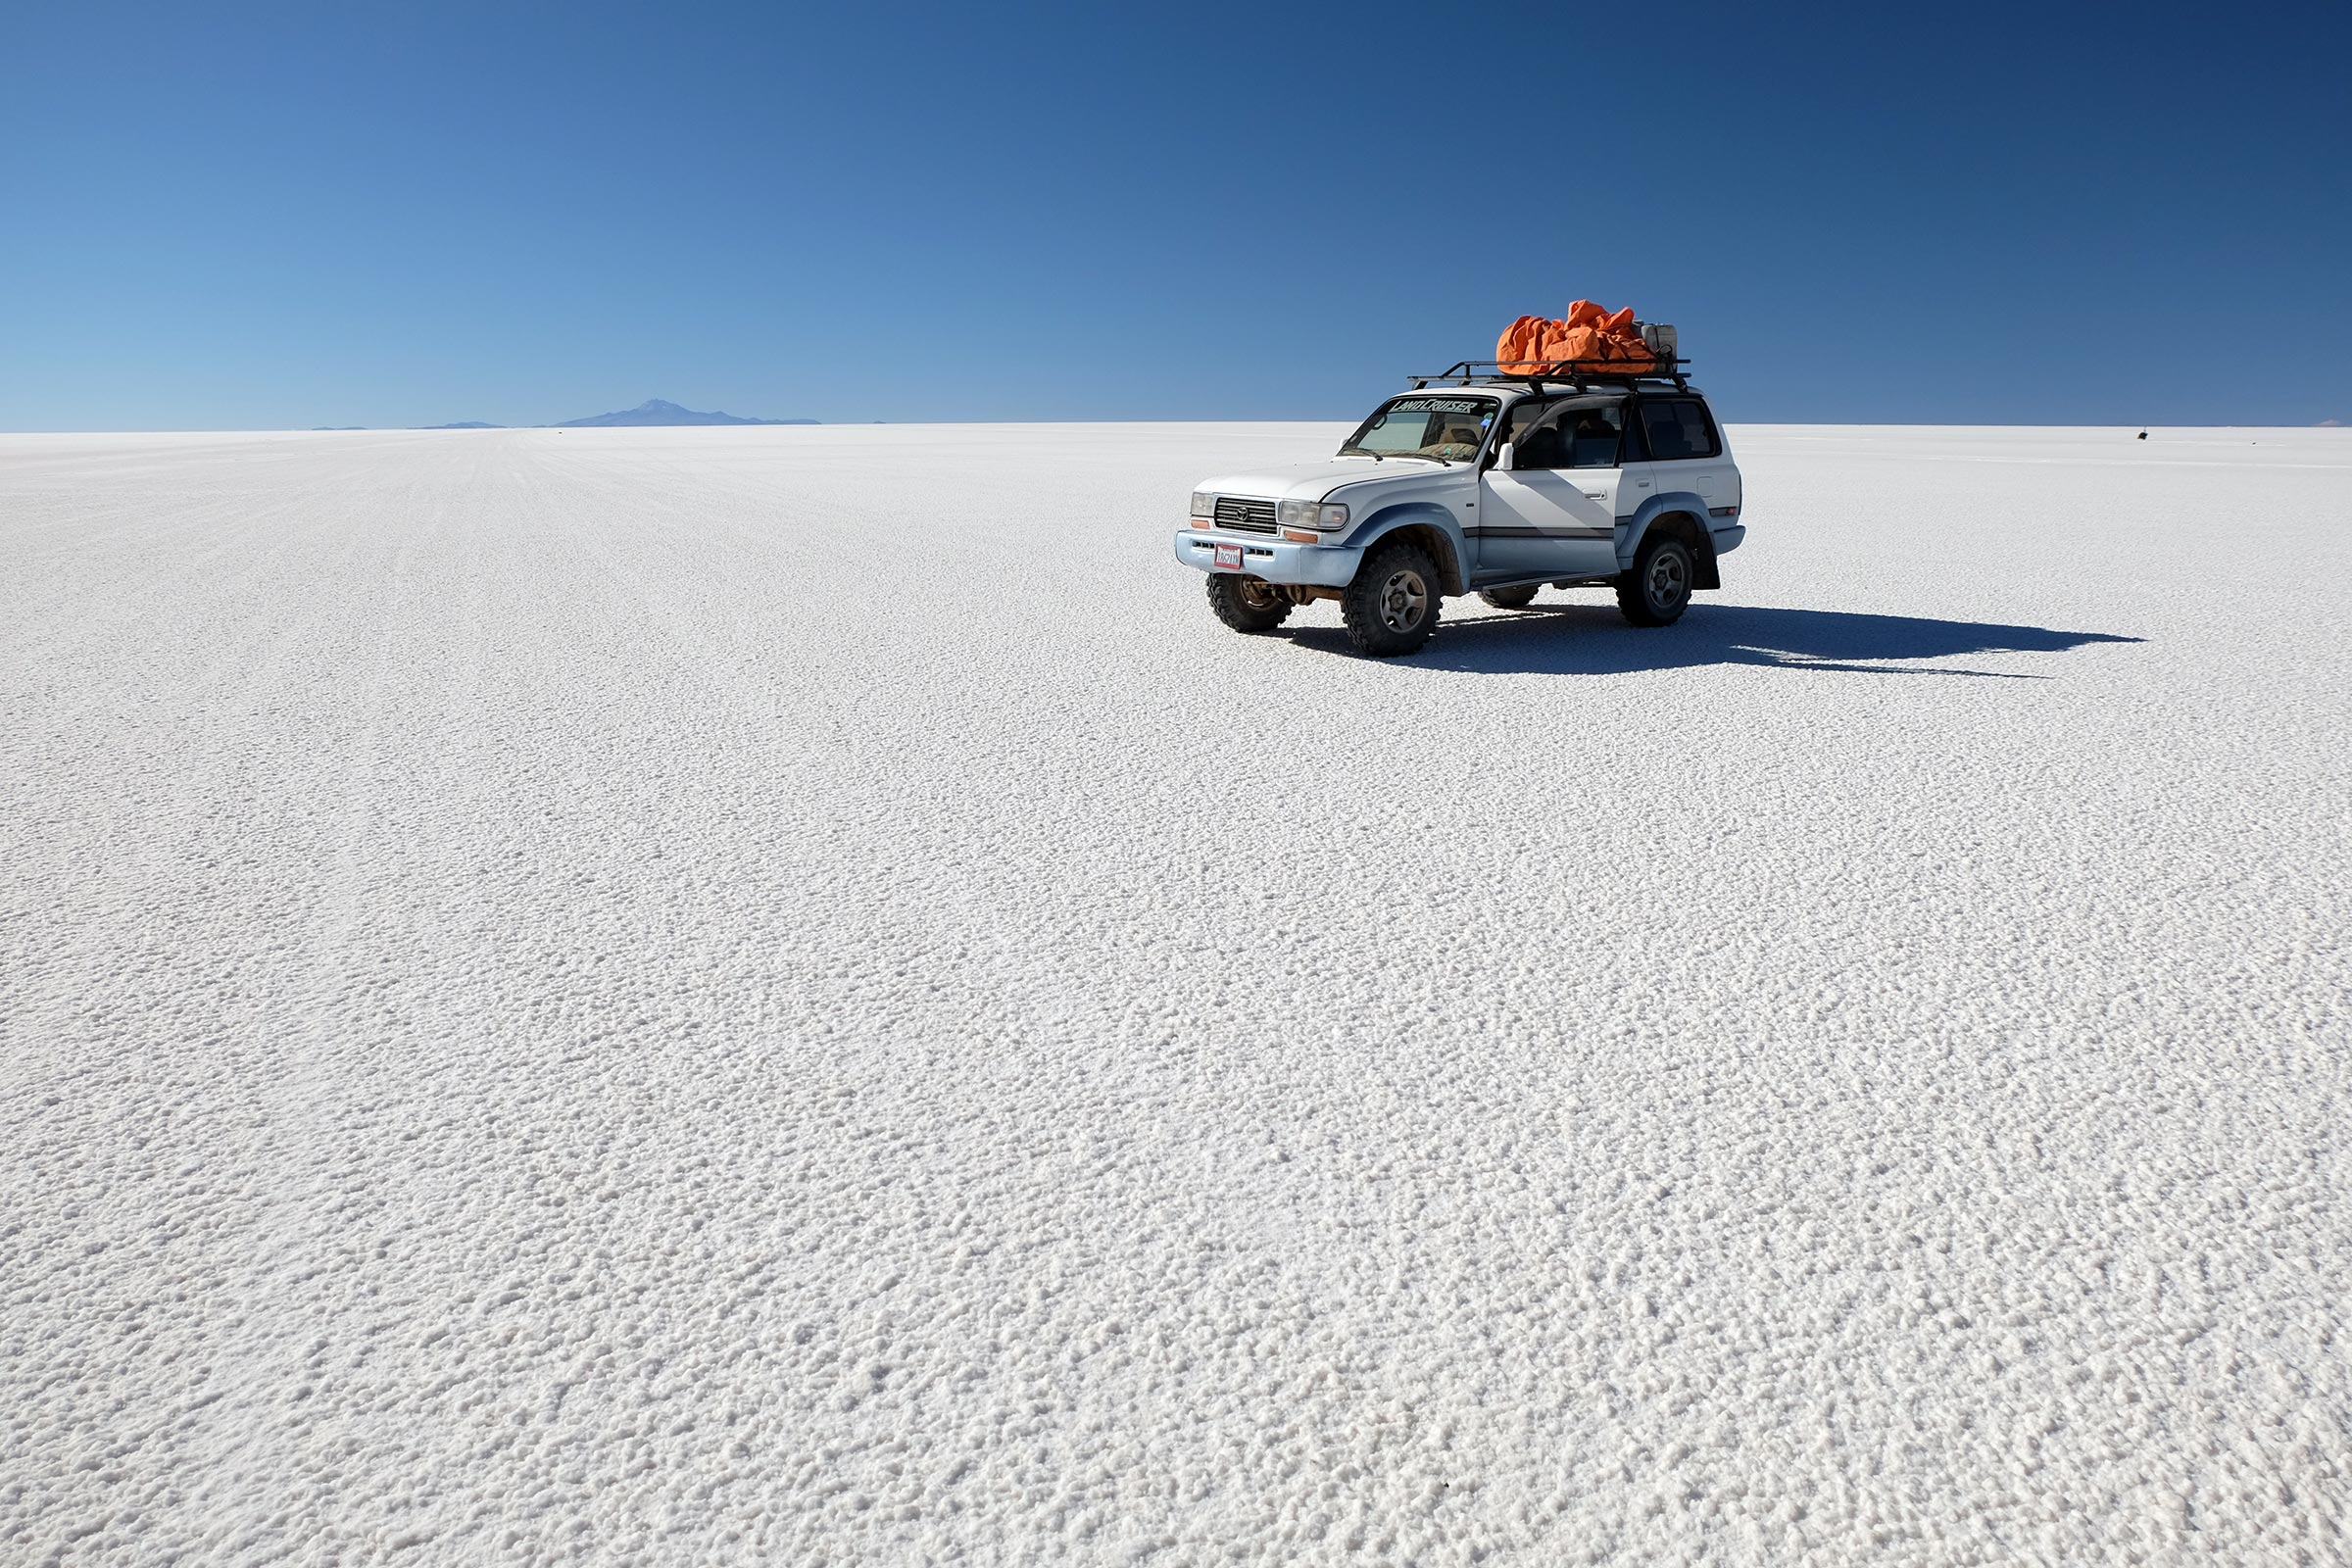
(788, 994)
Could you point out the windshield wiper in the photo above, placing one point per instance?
(1383, 457)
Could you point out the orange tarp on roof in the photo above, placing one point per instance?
(1586, 334)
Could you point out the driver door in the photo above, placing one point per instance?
(1554, 511)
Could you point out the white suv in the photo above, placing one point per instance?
(1481, 485)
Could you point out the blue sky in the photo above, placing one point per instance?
(224, 216)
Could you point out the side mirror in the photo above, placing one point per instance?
(1503, 456)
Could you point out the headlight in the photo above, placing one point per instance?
(1204, 505)
(1323, 514)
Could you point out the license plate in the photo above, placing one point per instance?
(1229, 557)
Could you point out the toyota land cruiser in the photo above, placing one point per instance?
(1480, 483)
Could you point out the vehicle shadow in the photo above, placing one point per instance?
(1595, 640)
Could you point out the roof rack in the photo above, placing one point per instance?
(1580, 373)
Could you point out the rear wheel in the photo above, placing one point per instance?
(1658, 588)
(1509, 598)
(1391, 605)
(1247, 604)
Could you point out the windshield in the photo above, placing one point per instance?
(1443, 429)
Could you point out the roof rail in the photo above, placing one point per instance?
(1579, 373)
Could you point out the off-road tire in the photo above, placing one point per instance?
(1247, 604)
(1391, 605)
(1658, 591)
(1509, 598)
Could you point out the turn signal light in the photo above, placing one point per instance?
(1297, 537)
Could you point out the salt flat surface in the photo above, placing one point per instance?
(787, 995)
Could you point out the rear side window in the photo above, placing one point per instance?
(1678, 427)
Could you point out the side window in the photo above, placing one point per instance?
(1595, 437)
(1581, 435)
(1531, 448)
(1524, 412)
(1678, 427)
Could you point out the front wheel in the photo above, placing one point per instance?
(1658, 588)
(1391, 605)
(1247, 604)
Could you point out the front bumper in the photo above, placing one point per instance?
(1273, 559)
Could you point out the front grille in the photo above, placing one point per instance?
(1249, 517)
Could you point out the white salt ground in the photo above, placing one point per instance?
(787, 995)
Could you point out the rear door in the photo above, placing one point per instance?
(1687, 449)
(1554, 511)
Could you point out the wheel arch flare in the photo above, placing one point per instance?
(1430, 525)
(1678, 512)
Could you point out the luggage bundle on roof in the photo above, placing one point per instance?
(1587, 344)
(1587, 336)
(1582, 346)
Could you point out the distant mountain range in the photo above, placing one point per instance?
(653, 411)
(659, 411)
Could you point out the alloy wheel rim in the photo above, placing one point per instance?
(1666, 580)
(1403, 601)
